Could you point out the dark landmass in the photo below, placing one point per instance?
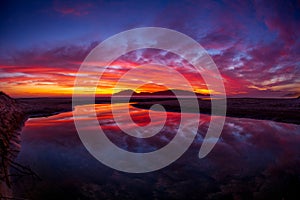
(43, 107)
(168, 93)
(280, 110)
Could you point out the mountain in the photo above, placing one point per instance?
(165, 93)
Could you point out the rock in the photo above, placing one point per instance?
(12, 119)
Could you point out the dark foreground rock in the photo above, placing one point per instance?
(11, 121)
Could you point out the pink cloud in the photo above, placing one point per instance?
(70, 8)
(280, 16)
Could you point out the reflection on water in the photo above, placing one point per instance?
(252, 159)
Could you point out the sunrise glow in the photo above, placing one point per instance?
(254, 47)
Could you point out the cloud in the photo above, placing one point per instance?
(255, 45)
(241, 71)
(281, 16)
(71, 8)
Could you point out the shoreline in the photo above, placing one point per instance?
(15, 113)
(278, 110)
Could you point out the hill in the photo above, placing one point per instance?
(165, 93)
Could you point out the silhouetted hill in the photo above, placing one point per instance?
(165, 93)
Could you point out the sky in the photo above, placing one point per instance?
(255, 44)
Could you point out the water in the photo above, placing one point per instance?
(252, 159)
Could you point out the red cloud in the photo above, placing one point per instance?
(71, 8)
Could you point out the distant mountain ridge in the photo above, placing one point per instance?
(169, 93)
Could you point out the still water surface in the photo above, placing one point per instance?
(252, 159)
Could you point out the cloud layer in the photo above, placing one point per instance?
(255, 45)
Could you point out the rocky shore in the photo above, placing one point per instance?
(11, 121)
(13, 115)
